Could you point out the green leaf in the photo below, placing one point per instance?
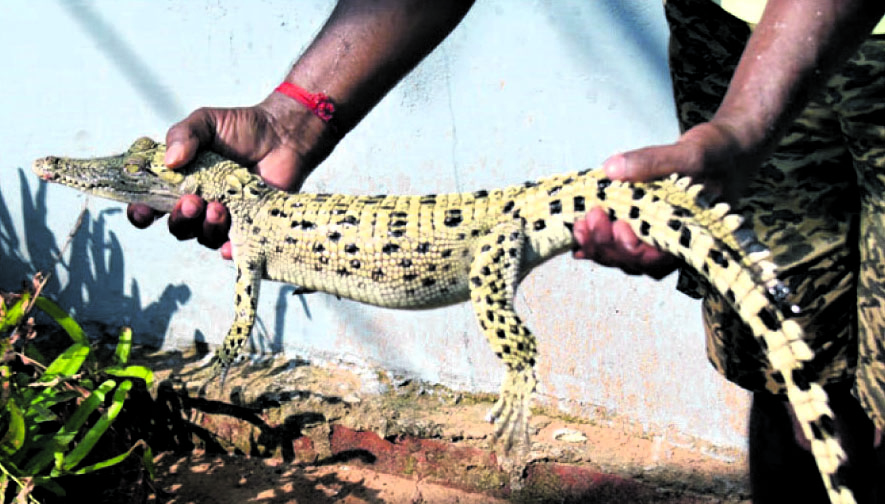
(115, 460)
(138, 372)
(148, 459)
(14, 315)
(95, 399)
(64, 320)
(124, 346)
(32, 353)
(39, 407)
(56, 447)
(15, 436)
(68, 363)
(48, 483)
(95, 433)
(47, 398)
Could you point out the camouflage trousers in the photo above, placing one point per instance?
(818, 203)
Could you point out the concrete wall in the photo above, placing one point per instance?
(520, 90)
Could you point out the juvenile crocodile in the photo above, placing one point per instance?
(416, 252)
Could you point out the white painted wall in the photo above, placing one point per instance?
(520, 90)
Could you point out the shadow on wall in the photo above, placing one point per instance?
(122, 55)
(93, 264)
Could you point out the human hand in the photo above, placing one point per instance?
(709, 153)
(275, 138)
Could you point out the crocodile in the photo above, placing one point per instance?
(417, 252)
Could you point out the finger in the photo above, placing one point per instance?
(591, 233)
(141, 216)
(185, 138)
(600, 247)
(624, 237)
(186, 219)
(581, 232)
(216, 226)
(657, 264)
(282, 169)
(640, 256)
(616, 244)
(227, 251)
(600, 227)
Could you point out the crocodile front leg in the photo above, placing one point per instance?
(494, 273)
(247, 287)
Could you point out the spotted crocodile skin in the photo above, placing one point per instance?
(432, 250)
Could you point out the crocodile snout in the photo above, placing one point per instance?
(45, 167)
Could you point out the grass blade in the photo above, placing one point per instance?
(15, 313)
(137, 372)
(95, 433)
(15, 435)
(63, 319)
(124, 346)
(59, 442)
(115, 460)
(68, 363)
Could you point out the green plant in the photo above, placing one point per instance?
(52, 417)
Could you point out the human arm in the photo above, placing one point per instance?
(362, 51)
(789, 57)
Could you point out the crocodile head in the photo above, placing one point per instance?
(139, 175)
(136, 176)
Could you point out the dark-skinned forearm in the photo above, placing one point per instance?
(363, 50)
(789, 57)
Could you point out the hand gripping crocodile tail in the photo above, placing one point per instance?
(424, 251)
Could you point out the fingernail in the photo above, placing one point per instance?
(215, 212)
(174, 153)
(615, 167)
(140, 215)
(189, 208)
(594, 217)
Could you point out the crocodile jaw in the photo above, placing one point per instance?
(109, 178)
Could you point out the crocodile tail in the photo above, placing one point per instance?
(677, 217)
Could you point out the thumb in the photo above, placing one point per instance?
(185, 138)
(646, 164)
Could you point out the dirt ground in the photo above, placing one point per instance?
(227, 479)
(299, 433)
(199, 478)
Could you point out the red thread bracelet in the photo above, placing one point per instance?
(318, 103)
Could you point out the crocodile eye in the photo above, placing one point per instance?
(132, 169)
(134, 165)
(142, 144)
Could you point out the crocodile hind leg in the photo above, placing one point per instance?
(494, 273)
(246, 288)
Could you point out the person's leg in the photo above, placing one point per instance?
(782, 468)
